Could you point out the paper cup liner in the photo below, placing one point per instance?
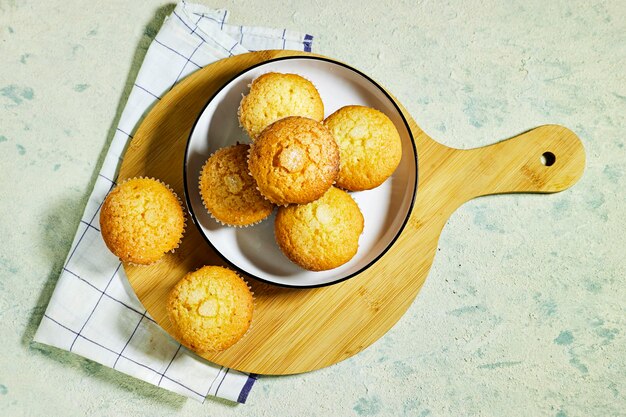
(243, 96)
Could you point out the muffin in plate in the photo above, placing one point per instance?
(273, 96)
(294, 160)
(229, 192)
(369, 145)
(320, 235)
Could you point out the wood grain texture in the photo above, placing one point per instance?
(296, 330)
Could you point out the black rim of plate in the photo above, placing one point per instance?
(338, 280)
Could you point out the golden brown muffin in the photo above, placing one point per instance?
(274, 96)
(320, 235)
(210, 309)
(369, 145)
(140, 220)
(294, 160)
(228, 190)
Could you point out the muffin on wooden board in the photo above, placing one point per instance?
(273, 96)
(294, 160)
(320, 235)
(210, 309)
(229, 192)
(141, 219)
(369, 145)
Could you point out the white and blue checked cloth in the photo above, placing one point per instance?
(93, 311)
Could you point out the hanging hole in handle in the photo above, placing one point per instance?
(548, 159)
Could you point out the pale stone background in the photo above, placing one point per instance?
(524, 311)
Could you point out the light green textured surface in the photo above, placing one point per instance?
(523, 313)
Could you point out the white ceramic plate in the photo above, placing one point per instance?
(253, 250)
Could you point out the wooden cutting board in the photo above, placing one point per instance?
(299, 330)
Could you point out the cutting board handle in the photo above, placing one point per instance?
(546, 159)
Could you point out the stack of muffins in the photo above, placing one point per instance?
(297, 161)
(304, 165)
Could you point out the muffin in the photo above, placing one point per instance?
(210, 309)
(228, 191)
(320, 235)
(140, 220)
(294, 160)
(273, 96)
(369, 145)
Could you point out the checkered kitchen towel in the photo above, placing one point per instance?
(93, 311)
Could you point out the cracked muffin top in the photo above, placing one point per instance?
(294, 160)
